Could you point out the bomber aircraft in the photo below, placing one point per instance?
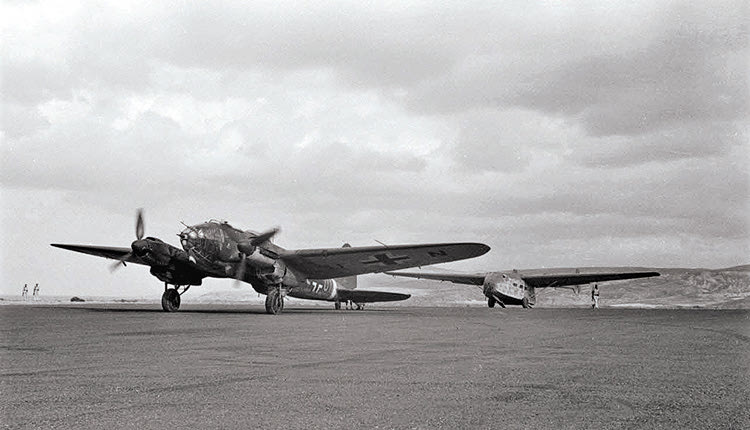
(216, 249)
(518, 287)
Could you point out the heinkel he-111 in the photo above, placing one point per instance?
(216, 249)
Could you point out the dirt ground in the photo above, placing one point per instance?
(133, 366)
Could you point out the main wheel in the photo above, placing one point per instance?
(525, 303)
(491, 302)
(170, 300)
(337, 305)
(274, 301)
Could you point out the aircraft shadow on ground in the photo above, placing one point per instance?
(251, 311)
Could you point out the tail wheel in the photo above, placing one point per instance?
(491, 302)
(274, 301)
(170, 300)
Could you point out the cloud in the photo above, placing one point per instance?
(681, 78)
(692, 140)
(554, 132)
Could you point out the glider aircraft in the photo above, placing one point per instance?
(514, 287)
(216, 249)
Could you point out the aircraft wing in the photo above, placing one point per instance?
(456, 278)
(340, 262)
(534, 280)
(363, 296)
(112, 252)
(559, 280)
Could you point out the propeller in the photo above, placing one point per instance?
(263, 237)
(139, 224)
(239, 275)
(139, 229)
(247, 248)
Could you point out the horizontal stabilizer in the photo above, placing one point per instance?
(362, 296)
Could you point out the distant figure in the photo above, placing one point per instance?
(36, 292)
(25, 292)
(595, 297)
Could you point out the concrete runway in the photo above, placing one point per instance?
(210, 366)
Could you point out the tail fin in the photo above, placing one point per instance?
(350, 282)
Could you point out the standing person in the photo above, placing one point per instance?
(36, 292)
(595, 297)
(25, 291)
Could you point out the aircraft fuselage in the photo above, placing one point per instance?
(507, 289)
(213, 246)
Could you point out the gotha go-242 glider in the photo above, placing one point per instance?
(216, 249)
(518, 287)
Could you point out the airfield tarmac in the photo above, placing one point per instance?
(232, 366)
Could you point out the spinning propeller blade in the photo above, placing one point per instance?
(139, 229)
(239, 275)
(263, 237)
(247, 248)
(139, 224)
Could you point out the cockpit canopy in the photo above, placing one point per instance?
(214, 230)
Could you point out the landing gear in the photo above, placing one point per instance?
(170, 300)
(492, 301)
(337, 305)
(274, 301)
(525, 303)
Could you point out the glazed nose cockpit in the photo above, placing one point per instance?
(203, 242)
(193, 241)
(188, 238)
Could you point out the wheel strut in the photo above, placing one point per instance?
(274, 300)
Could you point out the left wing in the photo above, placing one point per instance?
(340, 262)
(542, 281)
(363, 296)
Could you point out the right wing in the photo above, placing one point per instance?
(456, 278)
(111, 252)
(341, 262)
(172, 257)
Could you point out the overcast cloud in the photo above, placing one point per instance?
(559, 133)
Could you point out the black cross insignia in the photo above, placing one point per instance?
(385, 259)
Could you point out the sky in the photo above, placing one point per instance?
(560, 133)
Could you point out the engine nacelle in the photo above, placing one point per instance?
(156, 252)
(255, 256)
(175, 278)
